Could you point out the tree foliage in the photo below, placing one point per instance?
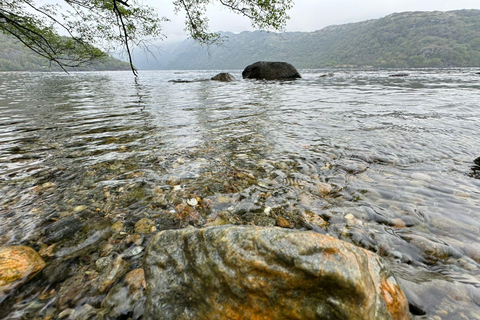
(68, 32)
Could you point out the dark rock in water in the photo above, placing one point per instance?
(399, 75)
(330, 74)
(246, 272)
(227, 77)
(476, 169)
(59, 270)
(187, 81)
(62, 229)
(266, 70)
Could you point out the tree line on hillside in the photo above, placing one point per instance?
(16, 57)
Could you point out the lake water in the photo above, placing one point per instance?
(386, 163)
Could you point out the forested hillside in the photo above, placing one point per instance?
(409, 39)
(14, 56)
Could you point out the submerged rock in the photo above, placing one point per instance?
(18, 264)
(266, 70)
(144, 226)
(127, 298)
(399, 75)
(240, 272)
(224, 76)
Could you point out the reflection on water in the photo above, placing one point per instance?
(385, 163)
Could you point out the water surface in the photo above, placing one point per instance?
(386, 163)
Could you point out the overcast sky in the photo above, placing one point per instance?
(309, 15)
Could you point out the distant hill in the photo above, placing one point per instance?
(14, 56)
(399, 40)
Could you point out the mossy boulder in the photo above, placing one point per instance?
(247, 272)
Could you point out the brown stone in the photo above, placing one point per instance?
(248, 272)
(282, 222)
(144, 226)
(18, 264)
(135, 279)
(324, 188)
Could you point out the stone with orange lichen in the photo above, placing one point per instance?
(248, 272)
(18, 264)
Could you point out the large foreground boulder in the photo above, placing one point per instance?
(246, 272)
(266, 70)
(18, 264)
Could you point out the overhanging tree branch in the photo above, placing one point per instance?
(112, 23)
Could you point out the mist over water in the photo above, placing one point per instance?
(386, 163)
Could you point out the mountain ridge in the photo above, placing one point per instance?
(399, 40)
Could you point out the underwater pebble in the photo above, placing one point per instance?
(130, 252)
(192, 202)
(324, 188)
(282, 222)
(267, 210)
(135, 279)
(349, 216)
(134, 238)
(111, 274)
(103, 263)
(399, 223)
(117, 226)
(79, 208)
(223, 199)
(144, 226)
(66, 313)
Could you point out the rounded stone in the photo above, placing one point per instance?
(18, 264)
(144, 226)
(267, 70)
(247, 272)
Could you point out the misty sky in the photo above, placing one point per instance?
(309, 15)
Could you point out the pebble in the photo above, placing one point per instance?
(66, 313)
(134, 238)
(192, 202)
(135, 279)
(117, 226)
(223, 199)
(133, 251)
(324, 188)
(144, 226)
(103, 263)
(282, 222)
(115, 271)
(349, 216)
(79, 208)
